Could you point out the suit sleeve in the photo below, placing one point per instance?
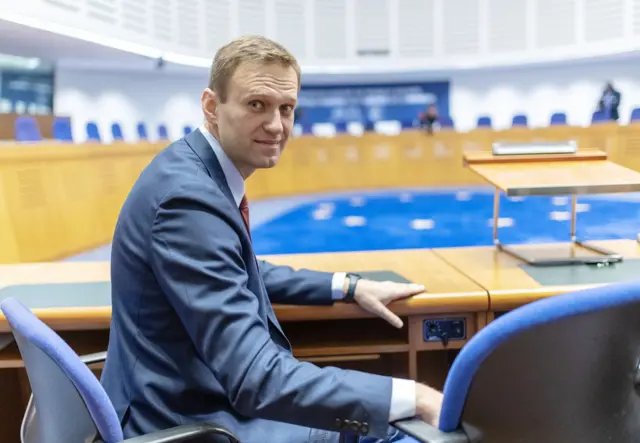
(197, 259)
(300, 287)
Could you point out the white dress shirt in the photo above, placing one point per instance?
(403, 393)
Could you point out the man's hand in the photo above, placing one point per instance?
(373, 296)
(428, 404)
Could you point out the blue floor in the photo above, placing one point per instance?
(424, 218)
(428, 219)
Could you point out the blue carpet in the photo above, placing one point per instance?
(430, 219)
(425, 218)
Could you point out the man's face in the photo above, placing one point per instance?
(254, 123)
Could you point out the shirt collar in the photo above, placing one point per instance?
(231, 173)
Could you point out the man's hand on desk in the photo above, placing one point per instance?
(428, 404)
(374, 296)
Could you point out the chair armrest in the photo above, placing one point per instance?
(184, 433)
(426, 433)
(97, 357)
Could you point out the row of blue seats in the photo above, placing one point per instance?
(27, 130)
(557, 119)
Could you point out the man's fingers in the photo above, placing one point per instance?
(407, 290)
(385, 313)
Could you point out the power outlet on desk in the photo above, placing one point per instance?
(445, 330)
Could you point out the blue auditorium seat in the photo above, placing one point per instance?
(561, 369)
(519, 120)
(599, 117)
(26, 129)
(369, 125)
(116, 132)
(62, 129)
(558, 119)
(484, 122)
(93, 133)
(407, 123)
(187, 130)
(142, 131)
(341, 127)
(68, 403)
(635, 115)
(162, 132)
(446, 122)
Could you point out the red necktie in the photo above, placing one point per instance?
(244, 210)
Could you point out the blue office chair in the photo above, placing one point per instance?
(62, 129)
(519, 121)
(163, 134)
(558, 119)
(68, 404)
(93, 133)
(562, 369)
(116, 132)
(26, 129)
(141, 128)
(599, 117)
(484, 122)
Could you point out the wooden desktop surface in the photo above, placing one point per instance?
(553, 176)
(510, 286)
(447, 289)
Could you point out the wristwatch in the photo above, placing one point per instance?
(351, 289)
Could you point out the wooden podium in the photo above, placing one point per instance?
(578, 173)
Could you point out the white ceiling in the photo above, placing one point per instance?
(73, 53)
(23, 41)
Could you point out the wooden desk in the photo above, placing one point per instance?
(587, 172)
(508, 284)
(342, 334)
(584, 173)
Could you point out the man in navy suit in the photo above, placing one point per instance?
(193, 334)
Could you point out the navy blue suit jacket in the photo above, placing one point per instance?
(193, 333)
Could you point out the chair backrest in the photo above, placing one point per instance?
(558, 119)
(599, 117)
(635, 115)
(142, 131)
(446, 122)
(519, 120)
(563, 369)
(70, 404)
(162, 132)
(484, 122)
(26, 129)
(62, 129)
(116, 132)
(93, 133)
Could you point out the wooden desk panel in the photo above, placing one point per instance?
(509, 286)
(560, 177)
(447, 289)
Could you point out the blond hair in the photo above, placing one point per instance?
(248, 49)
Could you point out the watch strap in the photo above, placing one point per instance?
(351, 289)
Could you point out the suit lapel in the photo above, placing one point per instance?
(201, 147)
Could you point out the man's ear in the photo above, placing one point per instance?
(209, 105)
